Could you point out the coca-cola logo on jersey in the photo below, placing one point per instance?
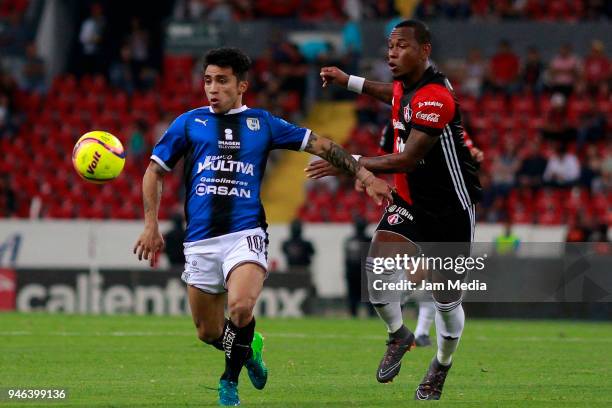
(428, 117)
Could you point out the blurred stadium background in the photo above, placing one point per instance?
(533, 79)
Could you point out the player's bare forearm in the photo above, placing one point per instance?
(152, 183)
(383, 91)
(417, 146)
(379, 90)
(336, 156)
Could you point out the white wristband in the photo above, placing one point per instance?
(357, 157)
(355, 84)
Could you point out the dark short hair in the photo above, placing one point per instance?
(420, 29)
(231, 57)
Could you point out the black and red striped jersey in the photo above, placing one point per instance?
(446, 179)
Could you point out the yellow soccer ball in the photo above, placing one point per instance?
(98, 157)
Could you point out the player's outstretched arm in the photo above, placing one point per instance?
(382, 91)
(417, 146)
(151, 240)
(339, 158)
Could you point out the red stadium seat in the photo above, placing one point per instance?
(493, 104)
(524, 104)
(178, 65)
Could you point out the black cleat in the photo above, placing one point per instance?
(391, 362)
(422, 341)
(433, 382)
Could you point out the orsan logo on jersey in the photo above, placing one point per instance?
(224, 163)
(203, 189)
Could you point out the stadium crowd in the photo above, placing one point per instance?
(544, 126)
(338, 10)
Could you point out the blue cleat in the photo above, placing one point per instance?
(258, 372)
(228, 393)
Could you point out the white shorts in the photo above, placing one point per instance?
(208, 262)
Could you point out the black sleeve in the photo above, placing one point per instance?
(386, 138)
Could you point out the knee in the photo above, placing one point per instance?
(241, 311)
(206, 335)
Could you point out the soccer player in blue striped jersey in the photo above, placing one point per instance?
(225, 148)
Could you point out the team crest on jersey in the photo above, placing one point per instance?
(394, 219)
(253, 123)
(407, 113)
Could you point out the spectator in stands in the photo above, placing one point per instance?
(353, 9)
(532, 167)
(596, 67)
(139, 43)
(244, 10)
(606, 169)
(497, 212)
(563, 71)
(173, 240)
(292, 68)
(504, 169)
(190, 10)
(298, 251)
(12, 35)
(91, 37)
(533, 69)
(455, 9)
(33, 72)
(507, 243)
(591, 124)
(8, 198)
(219, 11)
(7, 125)
(8, 86)
(558, 125)
(562, 169)
(475, 73)
(121, 72)
(504, 69)
(355, 250)
(137, 143)
(597, 10)
(488, 195)
(590, 173)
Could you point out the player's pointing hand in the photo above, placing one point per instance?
(334, 75)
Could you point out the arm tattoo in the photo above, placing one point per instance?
(312, 139)
(340, 158)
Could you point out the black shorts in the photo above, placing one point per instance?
(440, 237)
(419, 225)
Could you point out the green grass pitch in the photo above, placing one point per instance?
(133, 361)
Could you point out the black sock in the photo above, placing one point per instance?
(401, 333)
(218, 344)
(237, 346)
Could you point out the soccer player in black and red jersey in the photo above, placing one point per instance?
(436, 189)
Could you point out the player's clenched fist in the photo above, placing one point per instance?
(149, 243)
(334, 75)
